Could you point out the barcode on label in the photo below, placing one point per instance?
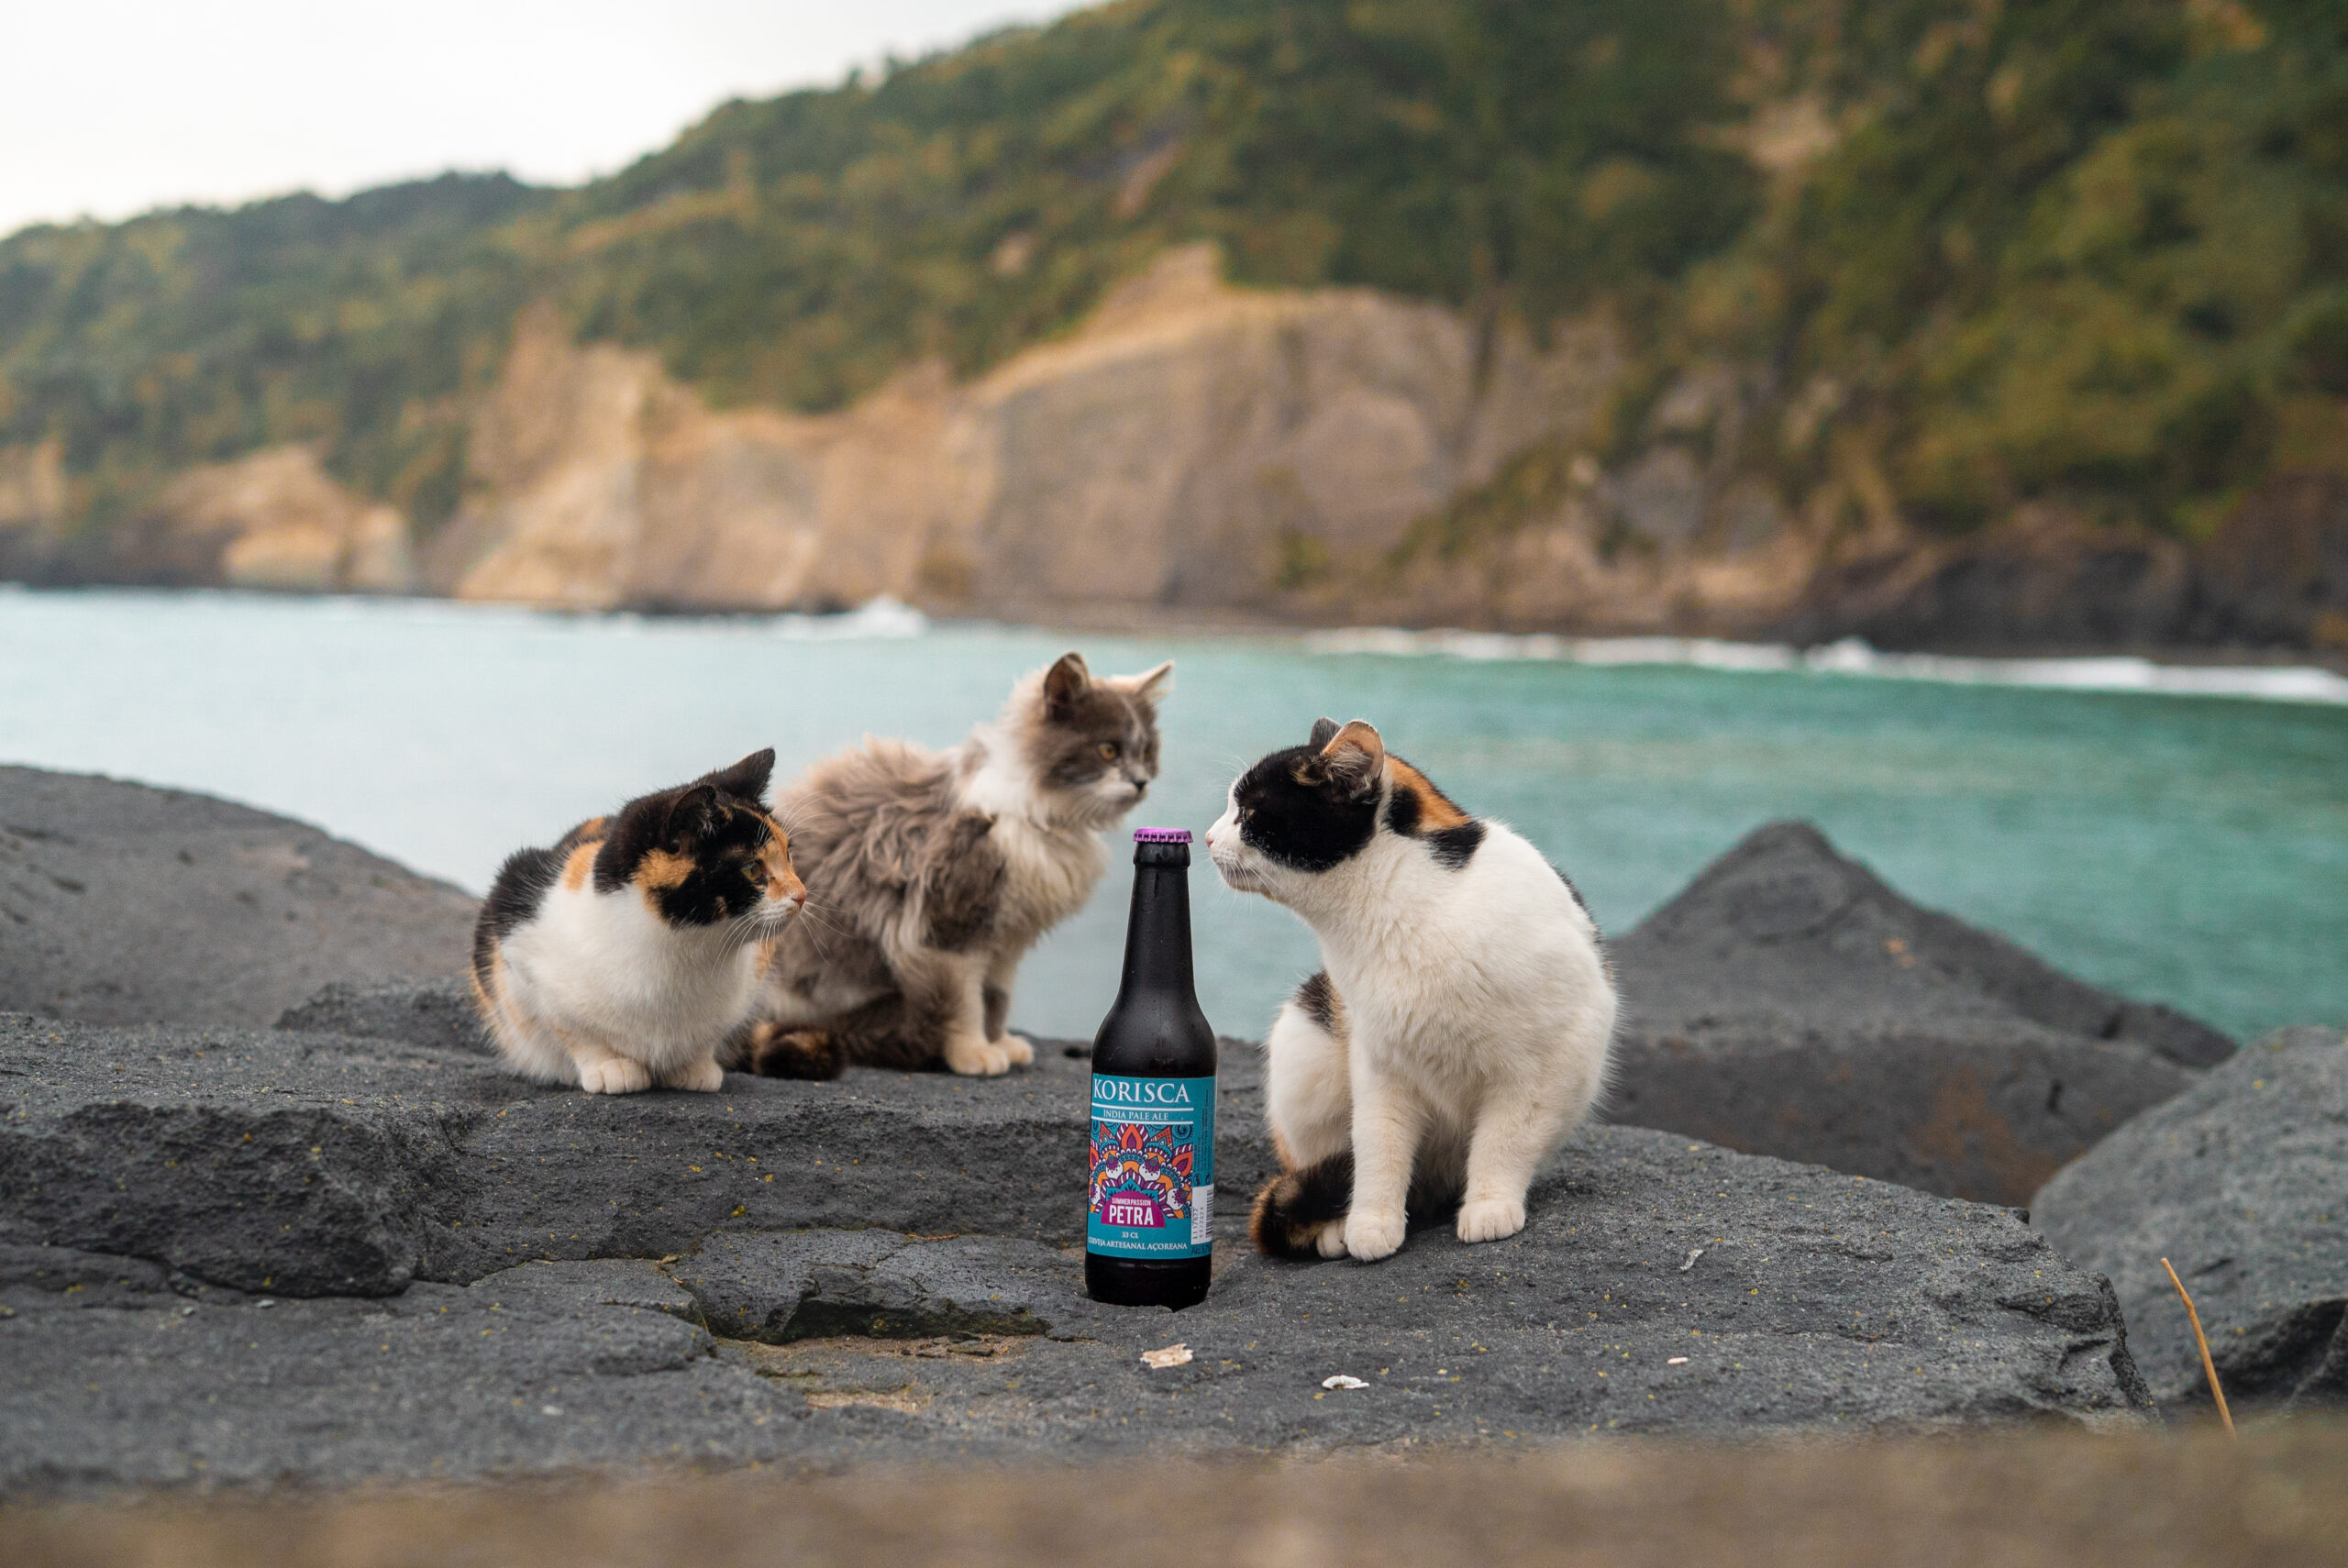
(1202, 1215)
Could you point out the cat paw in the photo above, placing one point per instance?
(974, 1058)
(1490, 1219)
(1331, 1241)
(1370, 1237)
(704, 1076)
(1020, 1051)
(613, 1074)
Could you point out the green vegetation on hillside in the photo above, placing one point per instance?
(2095, 251)
(189, 336)
(2091, 251)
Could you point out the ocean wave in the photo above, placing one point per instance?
(881, 619)
(1852, 656)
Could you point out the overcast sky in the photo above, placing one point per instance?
(108, 107)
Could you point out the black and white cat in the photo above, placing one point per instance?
(1462, 1025)
(628, 955)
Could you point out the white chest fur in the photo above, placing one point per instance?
(605, 966)
(1050, 868)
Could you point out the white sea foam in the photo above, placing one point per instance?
(1853, 657)
(883, 618)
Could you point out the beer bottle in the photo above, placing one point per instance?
(1150, 1203)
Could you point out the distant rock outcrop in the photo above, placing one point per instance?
(1788, 1003)
(2242, 1183)
(125, 904)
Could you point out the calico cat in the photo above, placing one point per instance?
(931, 874)
(1462, 1025)
(628, 955)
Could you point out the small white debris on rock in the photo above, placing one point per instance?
(1172, 1355)
(1677, 1361)
(1693, 1255)
(1341, 1381)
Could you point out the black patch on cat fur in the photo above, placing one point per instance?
(1080, 716)
(1318, 997)
(1402, 812)
(1294, 811)
(1575, 894)
(715, 825)
(1293, 1205)
(778, 1052)
(1455, 846)
(520, 888)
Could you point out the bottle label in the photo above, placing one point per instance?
(1152, 1194)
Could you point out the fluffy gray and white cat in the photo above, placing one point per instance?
(931, 874)
(1462, 1025)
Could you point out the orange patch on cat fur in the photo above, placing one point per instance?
(1435, 810)
(580, 861)
(783, 881)
(662, 870)
(495, 992)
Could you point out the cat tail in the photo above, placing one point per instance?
(1293, 1207)
(773, 1052)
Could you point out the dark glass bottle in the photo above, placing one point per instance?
(1150, 1202)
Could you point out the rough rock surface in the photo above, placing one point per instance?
(120, 904)
(438, 1013)
(469, 1275)
(1788, 1003)
(2241, 1182)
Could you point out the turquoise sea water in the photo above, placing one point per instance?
(2186, 849)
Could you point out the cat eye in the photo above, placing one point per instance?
(1107, 750)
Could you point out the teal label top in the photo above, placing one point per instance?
(1152, 1194)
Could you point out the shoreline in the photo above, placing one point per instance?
(2310, 676)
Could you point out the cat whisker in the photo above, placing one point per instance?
(818, 924)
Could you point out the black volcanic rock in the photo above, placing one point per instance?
(2241, 1182)
(125, 904)
(1788, 1003)
(438, 1013)
(469, 1275)
(320, 1164)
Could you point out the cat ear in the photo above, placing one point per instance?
(1323, 732)
(1355, 757)
(1151, 684)
(691, 815)
(746, 779)
(1063, 683)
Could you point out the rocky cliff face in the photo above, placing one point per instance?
(1184, 448)
(1331, 456)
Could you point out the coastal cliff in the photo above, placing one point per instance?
(1327, 455)
(2017, 327)
(1172, 450)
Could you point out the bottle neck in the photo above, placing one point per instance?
(1157, 929)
